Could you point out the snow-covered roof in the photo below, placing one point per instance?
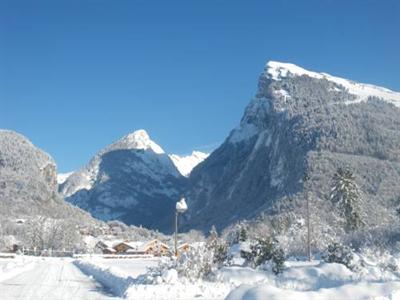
(183, 245)
(145, 246)
(135, 245)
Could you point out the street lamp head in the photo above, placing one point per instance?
(181, 206)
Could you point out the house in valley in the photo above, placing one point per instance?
(154, 247)
(185, 247)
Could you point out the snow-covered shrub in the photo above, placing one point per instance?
(217, 247)
(266, 250)
(197, 263)
(220, 254)
(156, 274)
(237, 233)
(239, 254)
(341, 254)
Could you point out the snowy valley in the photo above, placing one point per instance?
(301, 201)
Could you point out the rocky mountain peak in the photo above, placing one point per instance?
(139, 140)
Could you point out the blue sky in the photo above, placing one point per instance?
(77, 75)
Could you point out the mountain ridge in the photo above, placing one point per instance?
(299, 122)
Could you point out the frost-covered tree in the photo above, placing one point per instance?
(238, 233)
(217, 247)
(212, 239)
(242, 234)
(346, 195)
(46, 233)
(267, 250)
(341, 254)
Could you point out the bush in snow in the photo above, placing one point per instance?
(197, 263)
(220, 253)
(156, 275)
(341, 254)
(237, 233)
(217, 247)
(266, 250)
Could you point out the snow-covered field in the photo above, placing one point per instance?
(52, 279)
(97, 278)
(299, 280)
(121, 276)
(10, 267)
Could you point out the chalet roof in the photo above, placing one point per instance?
(183, 245)
(155, 241)
(110, 249)
(135, 246)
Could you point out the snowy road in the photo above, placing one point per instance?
(53, 279)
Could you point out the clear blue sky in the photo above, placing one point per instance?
(77, 75)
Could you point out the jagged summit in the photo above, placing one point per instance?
(278, 70)
(139, 140)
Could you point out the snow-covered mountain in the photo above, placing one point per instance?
(28, 184)
(279, 71)
(185, 164)
(301, 122)
(131, 180)
(61, 177)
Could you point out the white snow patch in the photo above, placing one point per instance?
(138, 139)
(282, 93)
(278, 70)
(63, 176)
(185, 164)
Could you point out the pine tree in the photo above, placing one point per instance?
(345, 193)
(217, 248)
(212, 240)
(242, 234)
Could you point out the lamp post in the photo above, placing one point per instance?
(180, 208)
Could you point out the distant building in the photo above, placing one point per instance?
(153, 247)
(184, 247)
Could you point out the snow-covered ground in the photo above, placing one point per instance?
(131, 267)
(299, 280)
(99, 278)
(121, 276)
(49, 278)
(10, 267)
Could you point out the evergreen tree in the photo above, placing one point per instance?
(212, 240)
(267, 249)
(345, 193)
(242, 234)
(217, 247)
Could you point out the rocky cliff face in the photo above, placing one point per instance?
(301, 122)
(28, 186)
(131, 180)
